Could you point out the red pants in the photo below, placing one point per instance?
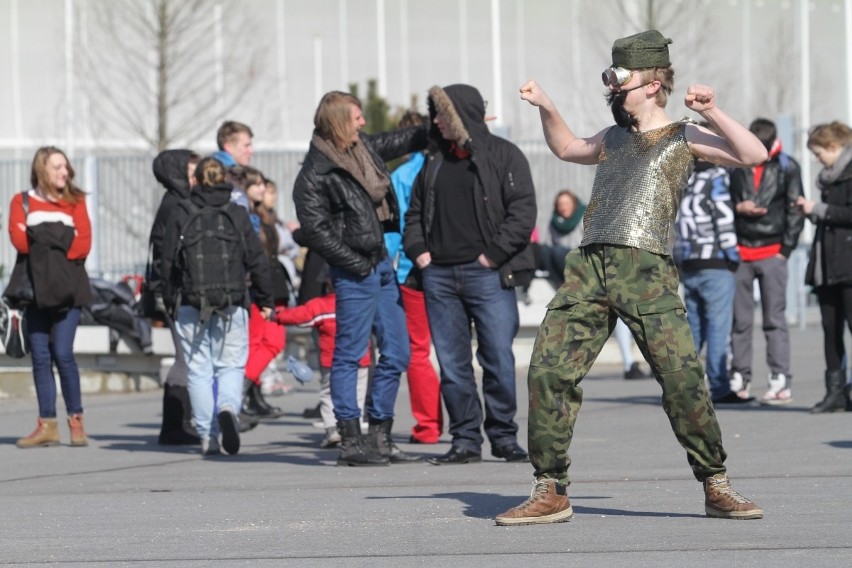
(423, 383)
(266, 341)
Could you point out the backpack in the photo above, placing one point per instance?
(210, 259)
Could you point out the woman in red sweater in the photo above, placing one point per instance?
(49, 223)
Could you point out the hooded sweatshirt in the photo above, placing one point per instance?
(170, 169)
(477, 187)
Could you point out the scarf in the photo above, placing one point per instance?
(830, 174)
(357, 161)
(566, 225)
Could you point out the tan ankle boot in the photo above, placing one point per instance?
(46, 433)
(78, 434)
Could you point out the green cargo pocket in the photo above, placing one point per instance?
(550, 343)
(666, 332)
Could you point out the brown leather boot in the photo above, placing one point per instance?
(78, 434)
(548, 503)
(722, 502)
(46, 433)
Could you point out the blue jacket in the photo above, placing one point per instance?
(403, 179)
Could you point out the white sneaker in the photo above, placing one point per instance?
(739, 384)
(779, 390)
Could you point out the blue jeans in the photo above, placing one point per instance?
(709, 300)
(216, 352)
(367, 304)
(455, 297)
(51, 335)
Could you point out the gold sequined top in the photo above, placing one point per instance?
(638, 186)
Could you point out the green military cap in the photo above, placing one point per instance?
(646, 49)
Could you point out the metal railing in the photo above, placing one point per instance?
(123, 197)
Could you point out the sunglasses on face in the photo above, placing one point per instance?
(613, 76)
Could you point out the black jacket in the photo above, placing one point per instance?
(256, 261)
(58, 283)
(504, 193)
(170, 169)
(834, 233)
(337, 216)
(779, 188)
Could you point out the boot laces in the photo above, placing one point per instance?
(723, 487)
(539, 492)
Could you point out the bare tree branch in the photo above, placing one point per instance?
(150, 70)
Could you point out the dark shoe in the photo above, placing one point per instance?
(835, 394)
(548, 503)
(635, 372)
(255, 404)
(379, 439)
(248, 422)
(456, 456)
(733, 398)
(312, 413)
(176, 428)
(230, 431)
(354, 450)
(722, 502)
(178, 437)
(511, 453)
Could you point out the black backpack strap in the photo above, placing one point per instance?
(25, 202)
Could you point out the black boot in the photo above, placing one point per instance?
(177, 429)
(254, 404)
(354, 449)
(835, 394)
(379, 439)
(247, 421)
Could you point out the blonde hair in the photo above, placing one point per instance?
(40, 177)
(665, 75)
(333, 119)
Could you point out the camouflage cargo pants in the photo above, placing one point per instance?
(603, 282)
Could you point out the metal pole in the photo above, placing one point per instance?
(804, 124)
(463, 63)
(497, 62)
(342, 16)
(15, 55)
(405, 80)
(284, 108)
(318, 68)
(69, 78)
(93, 261)
(382, 49)
(219, 51)
(848, 30)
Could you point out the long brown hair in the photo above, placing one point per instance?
(333, 119)
(40, 177)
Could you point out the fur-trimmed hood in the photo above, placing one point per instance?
(464, 107)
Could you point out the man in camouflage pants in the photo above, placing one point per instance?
(624, 269)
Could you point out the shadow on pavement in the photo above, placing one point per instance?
(488, 505)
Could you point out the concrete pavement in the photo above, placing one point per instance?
(124, 501)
